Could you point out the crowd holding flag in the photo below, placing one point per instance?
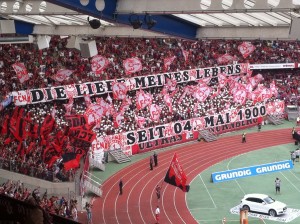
(55, 144)
(176, 175)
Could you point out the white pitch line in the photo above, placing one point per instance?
(208, 191)
(228, 169)
(294, 175)
(193, 209)
(290, 182)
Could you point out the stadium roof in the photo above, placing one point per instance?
(192, 19)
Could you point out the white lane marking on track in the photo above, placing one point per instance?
(113, 186)
(176, 206)
(208, 191)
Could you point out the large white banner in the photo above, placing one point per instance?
(43, 95)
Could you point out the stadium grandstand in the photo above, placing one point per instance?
(111, 111)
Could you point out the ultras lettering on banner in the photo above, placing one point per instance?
(179, 127)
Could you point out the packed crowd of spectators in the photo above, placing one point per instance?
(55, 205)
(43, 64)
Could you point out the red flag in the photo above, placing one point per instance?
(17, 123)
(176, 176)
(71, 160)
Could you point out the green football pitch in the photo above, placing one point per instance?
(210, 202)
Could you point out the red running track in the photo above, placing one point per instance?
(138, 202)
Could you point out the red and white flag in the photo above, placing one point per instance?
(254, 81)
(106, 106)
(273, 89)
(126, 104)
(167, 62)
(132, 65)
(222, 79)
(143, 99)
(62, 75)
(21, 71)
(201, 92)
(119, 90)
(170, 84)
(240, 96)
(69, 106)
(140, 121)
(225, 59)
(176, 175)
(246, 48)
(98, 64)
(93, 114)
(87, 100)
(185, 54)
(118, 118)
(155, 111)
(168, 101)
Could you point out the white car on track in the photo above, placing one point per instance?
(263, 203)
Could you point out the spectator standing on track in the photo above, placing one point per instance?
(259, 127)
(297, 152)
(293, 157)
(157, 213)
(244, 137)
(88, 208)
(155, 159)
(293, 132)
(151, 162)
(121, 187)
(157, 189)
(277, 185)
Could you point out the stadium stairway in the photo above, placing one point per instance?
(119, 156)
(274, 120)
(96, 163)
(207, 135)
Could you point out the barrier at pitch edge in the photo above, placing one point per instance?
(251, 171)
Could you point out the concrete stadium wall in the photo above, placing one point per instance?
(60, 188)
